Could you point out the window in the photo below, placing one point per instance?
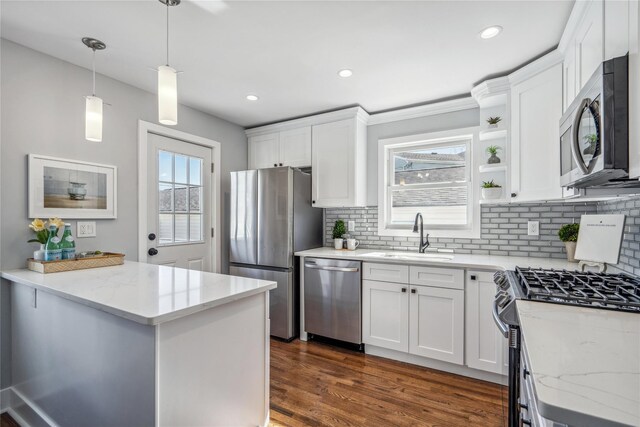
(179, 198)
(431, 175)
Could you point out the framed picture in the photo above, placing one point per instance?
(71, 189)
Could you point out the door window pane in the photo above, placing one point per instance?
(180, 204)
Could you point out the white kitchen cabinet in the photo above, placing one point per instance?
(589, 42)
(295, 147)
(485, 347)
(436, 323)
(264, 151)
(569, 77)
(536, 108)
(338, 154)
(385, 315)
(616, 28)
(287, 148)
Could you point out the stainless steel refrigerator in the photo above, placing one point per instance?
(271, 218)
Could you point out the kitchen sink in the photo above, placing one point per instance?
(435, 256)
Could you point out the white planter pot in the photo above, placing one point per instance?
(337, 243)
(39, 254)
(571, 251)
(492, 193)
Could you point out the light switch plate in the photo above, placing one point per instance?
(352, 226)
(86, 229)
(533, 228)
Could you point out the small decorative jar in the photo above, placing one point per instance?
(39, 254)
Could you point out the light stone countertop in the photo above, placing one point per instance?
(585, 363)
(144, 293)
(470, 261)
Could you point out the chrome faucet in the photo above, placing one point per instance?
(424, 243)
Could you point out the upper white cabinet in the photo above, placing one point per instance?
(339, 168)
(589, 42)
(536, 108)
(617, 18)
(263, 151)
(485, 347)
(286, 148)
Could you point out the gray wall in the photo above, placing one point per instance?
(43, 113)
(630, 252)
(437, 123)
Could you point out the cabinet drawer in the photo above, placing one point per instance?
(438, 277)
(385, 272)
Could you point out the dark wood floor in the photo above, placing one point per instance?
(7, 421)
(315, 384)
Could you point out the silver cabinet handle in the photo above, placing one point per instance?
(504, 329)
(343, 269)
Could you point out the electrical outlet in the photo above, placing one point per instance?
(86, 229)
(352, 225)
(533, 228)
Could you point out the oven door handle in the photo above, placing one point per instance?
(504, 329)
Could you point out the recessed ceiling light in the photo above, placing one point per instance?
(252, 97)
(345, 73)
(491, 32)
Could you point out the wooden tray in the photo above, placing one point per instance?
(108, 259)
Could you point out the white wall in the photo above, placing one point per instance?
(43, 113)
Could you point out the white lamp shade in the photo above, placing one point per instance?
(167, 95)
(93, 119)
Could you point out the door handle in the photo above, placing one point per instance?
(152, 236)
(404, 289)
(329, 268)
(504, 329)
(413, 291)
(152, 251)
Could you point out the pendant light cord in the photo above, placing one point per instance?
(93, 67)
(167, 33)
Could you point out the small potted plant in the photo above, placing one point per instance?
(568, 234)
(492, 151)
(491, 190)
(493, 121)
(339, 230)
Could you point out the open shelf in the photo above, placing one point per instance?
(497, 167)
(500, 201)
(493, 133)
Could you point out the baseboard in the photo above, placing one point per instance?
(436, 364)
(24, 411)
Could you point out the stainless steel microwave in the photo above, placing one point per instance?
(594, 131)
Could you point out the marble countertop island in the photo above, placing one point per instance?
(585, 363)
(145, 293)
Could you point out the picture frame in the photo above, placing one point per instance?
(71, 189)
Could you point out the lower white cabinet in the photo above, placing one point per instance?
(418, 319)
(486, 348)
(385, 314)
(436, 323)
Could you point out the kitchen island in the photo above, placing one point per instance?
(138, 345)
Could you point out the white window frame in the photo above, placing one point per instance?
(387, 146)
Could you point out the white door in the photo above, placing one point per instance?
(385, 315)
(484, 344)
(295, 147)
(436, 323)
(179, 203)
(264, 151)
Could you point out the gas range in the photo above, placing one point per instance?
(619, 292)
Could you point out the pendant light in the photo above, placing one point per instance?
(168, 83)
(93, 106)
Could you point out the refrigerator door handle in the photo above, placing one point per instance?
(325, 267)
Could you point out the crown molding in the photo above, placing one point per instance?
(423, 110)
(580, 8)
(539, 65)
(490, 88)
(333, 116)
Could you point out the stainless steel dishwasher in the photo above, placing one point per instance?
(333, 299)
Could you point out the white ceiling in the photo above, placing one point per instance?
(289, 53)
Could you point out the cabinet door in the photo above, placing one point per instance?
(436, 323)
(385, 315)
(536, 107)
(589, 42)
(264, 151)
(333, 160)
(484, 344)
(569, 77)
(616, 28)
(295, 147)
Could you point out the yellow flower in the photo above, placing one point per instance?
(37, 225)
(57, 222)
